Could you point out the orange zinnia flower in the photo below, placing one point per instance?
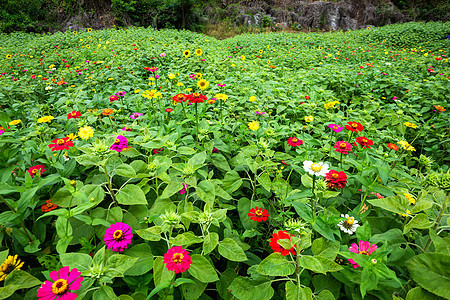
(107, 111)
(48, 206)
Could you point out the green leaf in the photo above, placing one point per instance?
(7, 291)
(440, 244)
(364, 232)
(192, 289)
(369, 281)
(131, 195)
(22, 279)
(229, 249)
(220, 162)
(307, 181)
(4, 255)
(244, 206)
(125, 171)
(161, 273)
(197, 160)
(276, 265)
(244, 288)
(172, 188)
(144, 262)
(185, 150)
(293, 292)
(88, 160)
(81, 261)
(120, 263)
(419, 221)
(325, 295)
(323, 228)
(210, 242)
(105, 292)
(318, 264)
(419, 293)
(158, 288)
(430, 271)
(394, 204)
(304, 211)
(186, 239)
(264, 180)
(202, 269)
(325, 248)
(205, 190)
(231, 182)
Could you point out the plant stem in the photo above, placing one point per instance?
(22, 224)
(108, 183)
(438, 220)
(196, 124)
(313, 200)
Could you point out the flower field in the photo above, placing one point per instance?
(143, 164)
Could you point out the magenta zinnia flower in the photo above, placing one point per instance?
(64, 280)
(113, 98)
(120, 143)
(343, 147)
(335, 127)
(135, 115)
(118, 236)
(364, 248)
(294, 142)
(177, 259)
(183, 190)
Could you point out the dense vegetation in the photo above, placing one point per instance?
(145, 164)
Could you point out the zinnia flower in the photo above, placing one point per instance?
(180, 98)
(120, 143)
(48, 206)
(258, 214)
(183, 190)
(196, 98)
(177, 259)
(202, 84)
(392, 146)
(309, 119)
(335, 127)
(107, 111)
(411, 198)
(73, 115)
(364, 248)
(61, 144)
(364, 142)
(294, 142)
(335, 179)
(439, 108)
(252, 99)
(319, 169)
(123, 93)
(85, 132)
(45, 119)
(343, 147)
(169, 110)
(281, 235)
(118, 236)
(113, 98)
(406, 146)
(411, 125)
(15, 122)
(253, 125)
(354, 126)
(36, 169)
(10, 264)
(65, 280)
(349, 225)
(135, 115)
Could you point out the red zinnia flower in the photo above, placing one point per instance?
(294, 142)
(335, 179)
(35, 169)
(354, 126)
(343, 147)
(169, 110)
(258, 214)
(61, 144)
(281, 235)
(197, 98)
(73, 115)
(364, 142)
(177, 259)
(48, 206)
(392, 146)
(307, 97)
(180, 98)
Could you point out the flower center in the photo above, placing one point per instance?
(117, 141)
(364, 140)
(9, 268)
(354, 125)
(258, 212)
(177, 258)
(316, 167)
(118, 234)
(350, 220)
(335, 175)
(73, 114)
(49, 205)
(294, 140)
(60, 286)
(364, 252)
(343, 145)
(35, 171)
(60, 142)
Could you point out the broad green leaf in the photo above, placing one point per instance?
(325, 295)
(264, 180)
(419, 293)
(120, 262)
(304, 211)
(186, 239)
(323, 228)
(325, 248)
(440, 244)
(226, 278)
(430, 271)
(231, 182)
(220, 162)
(294, 292)
(172, 188)
(276, 265)
(202, 269)
(161, 273)
(210, 242)
(419, 221)
(394, 204)
(105, 292)
(81, 261)
(369, 281)
(318, 264)
(307, 181)
(229, 249)
(205, 190)
(244, 288)
(22, 279)
(192, 288)
(144, 262)
(131, 195)
(244, 206)
(125, 171)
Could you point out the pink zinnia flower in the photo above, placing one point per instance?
(364, 248)
(64, 280)
(135, 115)
(177, 259)
(260, 113)
(294, 142)
(118, 236)
(183, 190)
(335, 127)
(343, 147)
(121, 93)
(120, 143)
(113, 98)
(162, 55)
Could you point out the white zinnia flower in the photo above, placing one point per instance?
(348, 226)
(319, 169)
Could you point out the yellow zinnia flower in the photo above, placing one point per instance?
(411, 125)
(309, 119)
(10, 264)
(253, 125)
(221, 97)
(45, 119)
(410, 198)
(86, 132)
(252, 99)
(198, 52)
(15, 122)
(202, 84)
(406, 146)
(151, 94)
